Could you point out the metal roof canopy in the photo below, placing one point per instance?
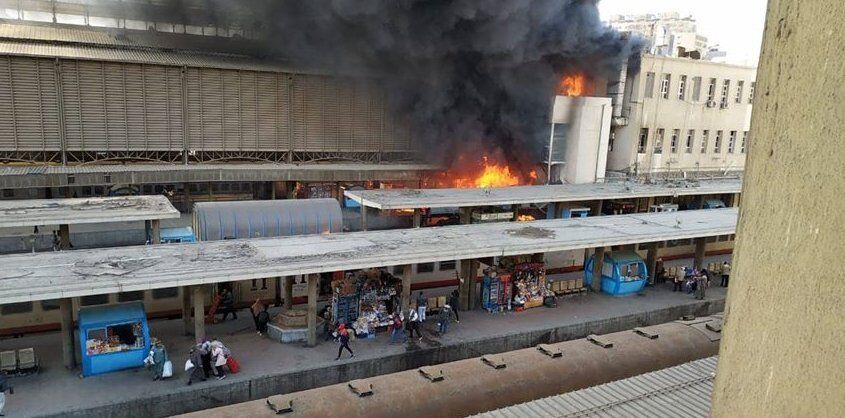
(679, 391)
(440, 198)
(15, 213)
(53, 275)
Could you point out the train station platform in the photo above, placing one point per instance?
(271, 368)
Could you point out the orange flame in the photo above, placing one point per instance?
(524, 218)
(574, 85)
(492, 175)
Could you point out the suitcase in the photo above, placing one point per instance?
(233, 365)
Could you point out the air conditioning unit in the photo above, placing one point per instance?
(711, 103)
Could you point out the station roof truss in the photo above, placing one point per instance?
(52, 275)
(441, 198)
(17, 213)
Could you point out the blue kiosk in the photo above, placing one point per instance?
(113, 337)
(623, 273)
(175, 235)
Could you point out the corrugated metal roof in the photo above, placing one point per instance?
(680, 391)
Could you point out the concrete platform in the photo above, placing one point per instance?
(271, 368)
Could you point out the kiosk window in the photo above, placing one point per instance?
(115, 338)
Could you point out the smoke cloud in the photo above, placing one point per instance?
(473, 76)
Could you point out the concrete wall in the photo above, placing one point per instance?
(782, 352)
(671, 113)
(228, 392)
(587, 138)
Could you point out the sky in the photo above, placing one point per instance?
(735, 25)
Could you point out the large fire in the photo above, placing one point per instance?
(575, 85)
(484, 175)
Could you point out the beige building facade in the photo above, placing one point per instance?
(683, 117)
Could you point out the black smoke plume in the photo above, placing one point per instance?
(473, 76)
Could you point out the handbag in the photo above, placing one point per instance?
(233, 365)
(167, 370)
(189, 365)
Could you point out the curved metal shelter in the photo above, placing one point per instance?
(266, 218)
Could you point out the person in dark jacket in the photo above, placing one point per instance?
(443, 319)
(227, 302)
(455, 303)
(4, 387)
(205, 357)
(343, 339)
(197, 372)
(263, 318)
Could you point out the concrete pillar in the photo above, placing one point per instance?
(781, 349)
(700, 246)
(68, 340)
(468, 294)
(64, 237)
(465, 215)
(598, 263)
(340, 197)
(210, 193)
(553, 210)
(313, 282)
(186, 310)
(186, 187)
(364, 211)
(155, 231)
(514, 212)
(288, 292)
(277, 285)
(407, 276)
(198, 295)
(734, 203)
(649, 204)
(272, 190)
(596, 209)
(417, 217)
(651, 261)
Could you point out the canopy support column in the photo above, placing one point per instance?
(417, 217)
(651, 262)
(312, 309)
(363, 217)
(700, 247)
(407, 276)
(598, 263)
(64, 237)
(155, 231)
(467, 285)
(68, 346)
(198, 294)
(288, 292)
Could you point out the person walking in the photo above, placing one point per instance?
(262, 319)
(421, 305)
(227, 302)
(159, 355)
(397, 329)
(255, 310)
(219, 356)
(205, 357)
(726, 274)
(443, 319)
(701, 285)
(455, 303)
(413, 323)
(196, 372)
(343, 339)
(4, 387)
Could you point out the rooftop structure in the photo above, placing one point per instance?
(439, 198)
(53, 275)
(15, 213)
(680, 391)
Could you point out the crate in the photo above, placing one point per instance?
(8, 361)
(26, 359)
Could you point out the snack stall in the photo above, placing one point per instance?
(529, 283)
(113, 337)
(365, 300)
(623, 273)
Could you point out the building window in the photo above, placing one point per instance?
(16, 308)
(739, 86)
(649, 85)
(130, 296)
(658, 141)
(643, 140)
(253, 285)
(673, 143)
(447, 265)
(696, 89)
(664, 85)
(726, 88)
(690, 137)
(166, 293)
(50, 305)
(682, 88)
(705, 136)
(425, 267)
(717, 144)
(731, 142)
(751, 92)
(94, 300)
(711, 90)
(264, 284)
(744, 142)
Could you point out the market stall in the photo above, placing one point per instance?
(496, 292)
(113, 337)
(365, 300)
(623, 273)
(529, 284)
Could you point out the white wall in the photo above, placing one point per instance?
(586, 145)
